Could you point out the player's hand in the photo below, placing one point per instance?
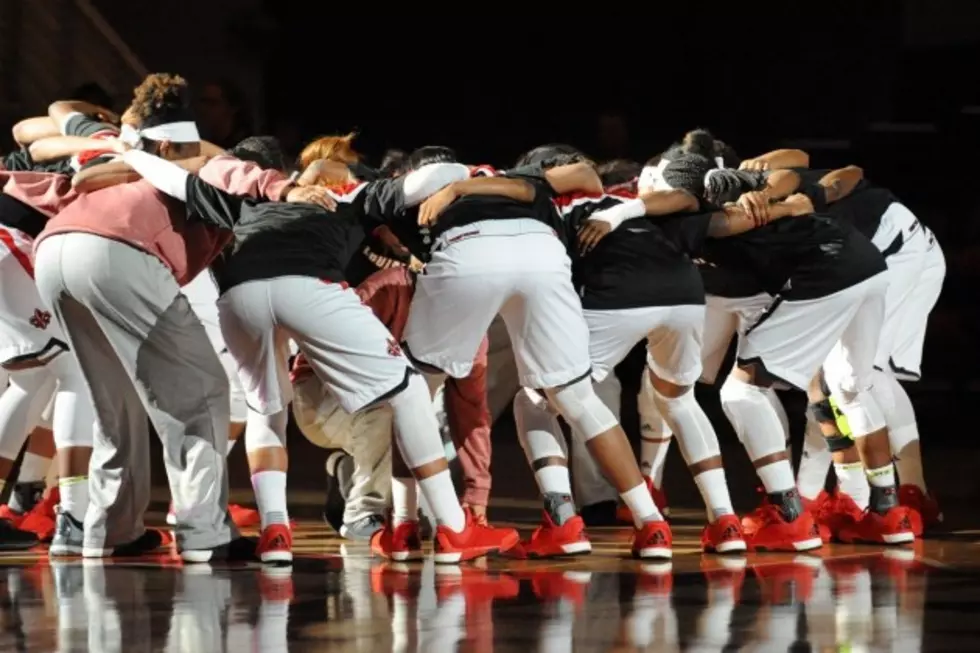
(799, 204)
(312, 195)
(432, 208)
(590, 233)
(754, 164)
(118, 146)
(756, 206)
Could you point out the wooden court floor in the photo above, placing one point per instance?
(337, 598)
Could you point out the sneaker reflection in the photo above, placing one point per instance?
(862, 601)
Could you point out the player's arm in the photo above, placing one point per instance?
(29, 130)
(518, 190)
(777, 160)
(578, 177)
(205, 201)
(649, 203)
(63, 110)
(103, 175)
(840, 183)
(60, 147)
(733, 219)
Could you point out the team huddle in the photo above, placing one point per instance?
(150, 277)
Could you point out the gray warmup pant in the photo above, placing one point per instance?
(143, 352)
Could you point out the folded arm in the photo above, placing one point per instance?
(60, 147)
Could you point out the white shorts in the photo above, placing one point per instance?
(723, 318)
(27, 329)
(202, 294)
(915, 277)
(793, 339)
(351, 351)
(516, 268)
(906, 355)
(673, 336)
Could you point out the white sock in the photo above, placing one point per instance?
(553, 478)
(270, 495)
(853, 482)
(882, 476)
(441, 495)
(815, 462)
(714, 490)
(73, 492)
(33, 468)
(641, 505)
(404, 500)
(777, 476)
(655, 434)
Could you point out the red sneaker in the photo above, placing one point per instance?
(244, 517)
(774, 533)
(15, 518)
(922, 504)
(550, 541)
(723, 535)
(724, 575)
(400, 543)
(653, 541)
(624, 515)
(787, 583)
(476, 585)
(819, 507)
(474, 541)
(557, 585)
(894, 527)
(41, 518)
(839, 512)
(276, 585)
(394, 579)
(276, 544)
(655, 580)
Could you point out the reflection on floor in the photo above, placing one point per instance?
(337, 598)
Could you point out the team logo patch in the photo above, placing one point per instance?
(394, 349)
(40, 319)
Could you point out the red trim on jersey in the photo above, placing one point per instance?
(347, 192)
(563, 201)
(483, 171)
(625, 190)
(88, 155)
(22, 257)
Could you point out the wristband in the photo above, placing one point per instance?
(618, 214)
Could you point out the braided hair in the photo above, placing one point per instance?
(702, 177)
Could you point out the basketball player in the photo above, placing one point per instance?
(916, 269)
(495, 255)
(365, 434)
(135, 333)
(827, 295)
(284, 278)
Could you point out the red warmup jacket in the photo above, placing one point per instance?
(389, 294)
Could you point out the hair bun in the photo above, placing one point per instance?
(700, 142)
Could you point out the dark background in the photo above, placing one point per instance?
(890, 85)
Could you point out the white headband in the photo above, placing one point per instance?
(129, 135)
(178, 132)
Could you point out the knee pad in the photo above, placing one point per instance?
(265, 431)
(862, 412)
(582, 408)
(750, 410)
(537, 427)
(652, 423)
(822, 410)
(693, 431)
(838, 443)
